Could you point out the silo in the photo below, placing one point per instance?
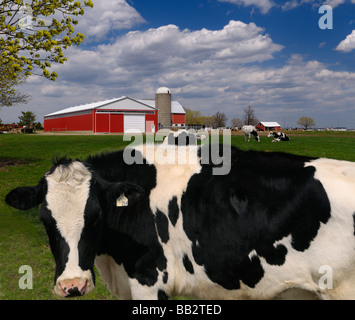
(163, 104)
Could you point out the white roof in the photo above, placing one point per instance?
(176, 107)
(96, 105)
(83, 107)
(270, 124)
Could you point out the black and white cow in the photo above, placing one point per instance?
(268, 229)
(278, 136)
(250, 131)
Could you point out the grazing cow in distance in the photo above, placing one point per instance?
(278, 136)
(250, 131)
(158, 230)
(183, 138)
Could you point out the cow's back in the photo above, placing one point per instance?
(266, 228)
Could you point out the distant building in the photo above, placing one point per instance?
(268, 126)
(119, 115)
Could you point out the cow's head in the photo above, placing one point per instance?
(75, 205)
(271, 134)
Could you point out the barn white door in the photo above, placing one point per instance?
(134, 123)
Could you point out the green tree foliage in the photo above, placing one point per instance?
(194, 117)
(9, 94)
(217, 120)
(306, 122)
(34, 34)
(27, 119)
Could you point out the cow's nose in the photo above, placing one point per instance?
(73, 287)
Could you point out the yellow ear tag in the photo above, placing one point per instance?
(122, 201)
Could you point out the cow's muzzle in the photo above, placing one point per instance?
(73, 287)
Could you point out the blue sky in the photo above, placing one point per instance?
(214, 55)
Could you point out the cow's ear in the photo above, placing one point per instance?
(119, 197)
(24, 198)
(124, 194)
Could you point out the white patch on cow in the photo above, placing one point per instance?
(173, 175)
(114, 276)
(68, 191)
(333, 246)
(335, 242)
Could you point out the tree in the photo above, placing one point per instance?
(218, 120)
(38, 126)
(9, 94)
(249, 117)
(306, 122)
(236, 123)
(194, 117)
(27, 119)
(30, 40)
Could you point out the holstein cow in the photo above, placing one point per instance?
(278, 136)
(250, 131)
(183, 137)
(276, 225)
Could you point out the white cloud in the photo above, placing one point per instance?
(266, 5)
(348, 44)
(158, 51)
(106, 16)
(237, 41)
(333, 3)
(263, 5)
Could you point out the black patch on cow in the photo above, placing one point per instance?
(134, 243)
(162, 295)
(162, 226)
(24, 198)
(188, 265)
(88, 244)
(264, 198)
(59, 247)
(173, 211)
(165, 277)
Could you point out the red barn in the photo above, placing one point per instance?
(115, 115)
(268, 126)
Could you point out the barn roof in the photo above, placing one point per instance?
(84, 107)
(175, 106)
(270, 124)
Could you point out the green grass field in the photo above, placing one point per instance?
(25, 158)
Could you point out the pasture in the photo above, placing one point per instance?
(25, 158)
